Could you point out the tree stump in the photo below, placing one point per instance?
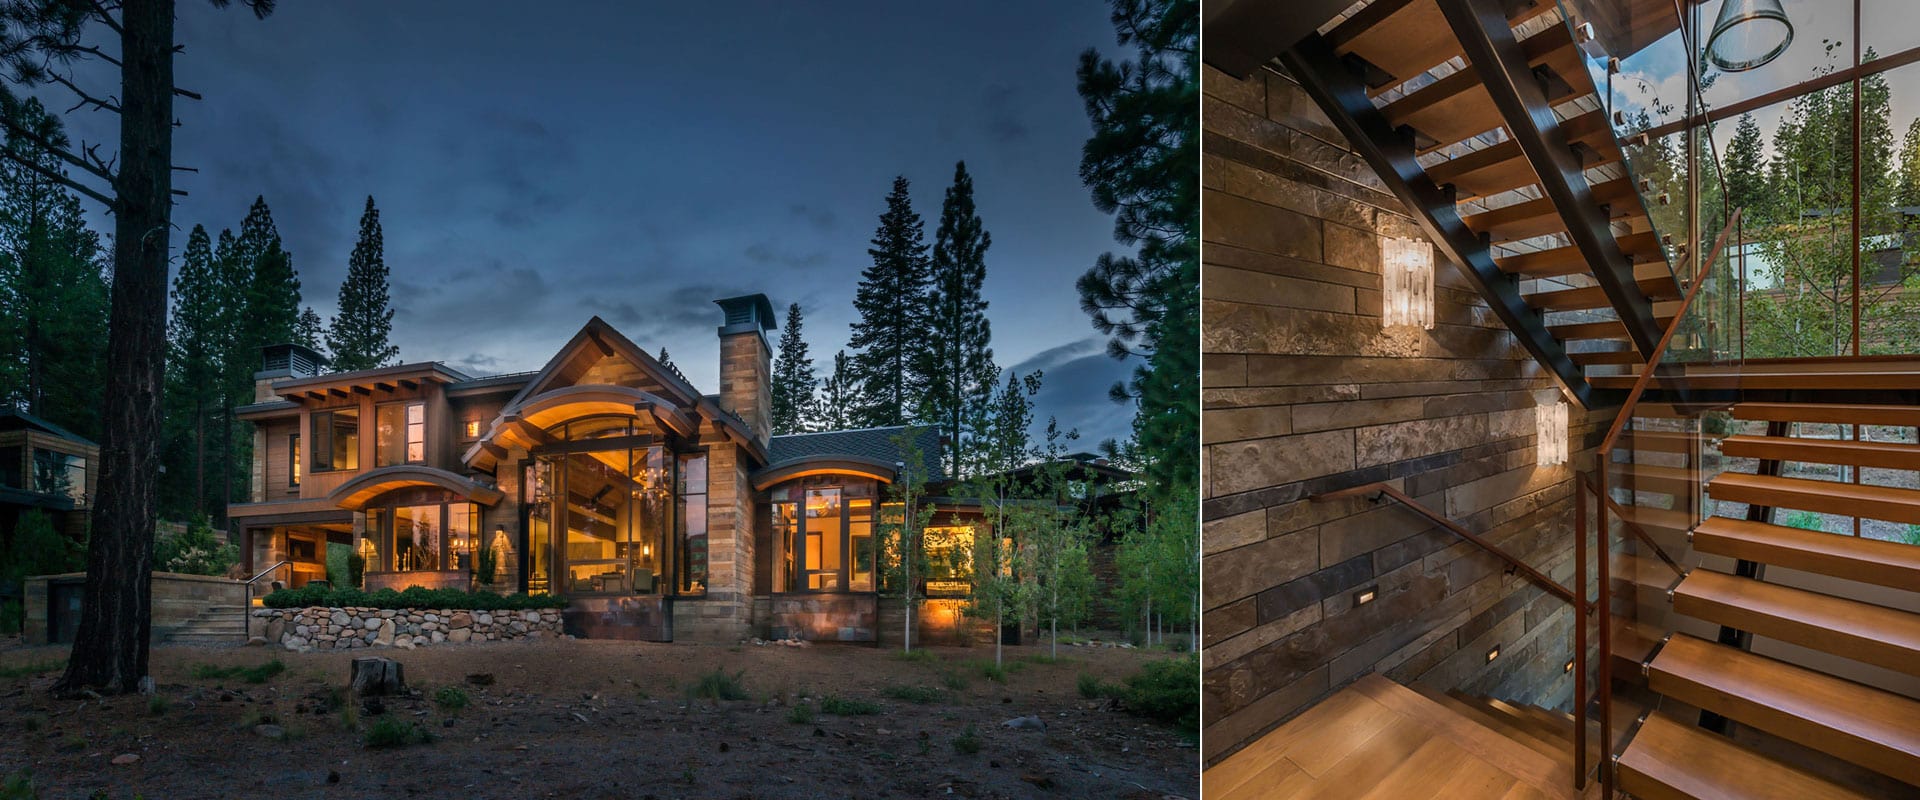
(374, 677)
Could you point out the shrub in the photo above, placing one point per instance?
(800, 714)
(919, 695)
(1166, 690)
(157, 705)
(414, 597)
(19, 786)
(917, 656)
(195, 551)
(848, 707)
(12, 616)
(993, 672)
(1091, 687)
(388, 732)
(38, 549)
(968, 742)
(356, 571)
(718, 685)
(486, 565)
(30, 668)
(255, 674)
(450, 698)
(953, 680)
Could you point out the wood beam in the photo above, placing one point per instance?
(409, 384)
(1501, 63)
(1243, 34)
(1343, 96)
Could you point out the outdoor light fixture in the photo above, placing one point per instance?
(1365, 596)
(1569, 667)
(1748, 34)
(1493, 654)
(1406, 283)
(1550, 432)
(473, 429)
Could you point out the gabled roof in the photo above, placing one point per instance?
(597, 334)
(13, 419)
(874, 444)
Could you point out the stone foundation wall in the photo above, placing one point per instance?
(176, 599)
(316, 628)
(825, 617)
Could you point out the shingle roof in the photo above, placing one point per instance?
(14, 419)
(875, 443)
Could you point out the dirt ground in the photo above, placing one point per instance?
(596, 718)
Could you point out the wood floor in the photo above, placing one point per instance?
(1379, 740)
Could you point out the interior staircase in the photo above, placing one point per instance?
(1702, 681)
(1484, 116)
(1549, 733)
(215, 625)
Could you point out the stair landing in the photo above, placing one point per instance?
(1378, 739)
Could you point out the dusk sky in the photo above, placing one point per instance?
(534, 168)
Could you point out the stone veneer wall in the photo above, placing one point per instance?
(824, 617)
(1303, 393)
(317, 628)
(175, 600)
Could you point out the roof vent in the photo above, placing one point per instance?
(291, 359)
(746, 313)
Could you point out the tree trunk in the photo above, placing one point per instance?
(999, 633)
(375, 677)
(110, 647)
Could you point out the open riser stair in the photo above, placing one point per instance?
(1804, 469)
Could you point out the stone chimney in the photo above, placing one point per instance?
(746, 362)
(279, 362)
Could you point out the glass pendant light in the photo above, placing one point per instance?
(1748, 34)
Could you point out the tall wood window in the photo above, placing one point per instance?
(336, 439)
(293, 459)
(400, 434)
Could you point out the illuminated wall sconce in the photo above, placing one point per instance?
(1365, 596)
(1550, 429)
(1569, 667)
(1406, 283)
(472, 429)
(1493, 653)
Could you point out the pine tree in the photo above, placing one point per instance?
(793, 378)
(838, 393)
(1907, 188)
(309, 331)
(194, 344)
(958, 359)
(53, 334)
(1142, 164)
(1745, 170)
(271, 300)
(889, 336)
(357, 337)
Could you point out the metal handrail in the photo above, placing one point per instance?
(1660, 349)
(1384, 490)
(268, 571)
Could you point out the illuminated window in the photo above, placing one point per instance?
(949, 552)
(471, 429)
(401, 434)
(824, 533)
(336, 439)
(293, 459)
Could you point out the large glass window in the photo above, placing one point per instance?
(60, 473)
(400, 435)
(824, 532)
(11, 459)
(949, 552)
(336, 439)
(691, 546)
(539, 549)
(418, 538)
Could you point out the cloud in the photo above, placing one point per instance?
(820, 218)
(763, 253)
(1076, 377)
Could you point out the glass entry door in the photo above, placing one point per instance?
(597, 519)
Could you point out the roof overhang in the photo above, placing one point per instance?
(346, 384)
(823, 464)
(355, 494)
(524, 424)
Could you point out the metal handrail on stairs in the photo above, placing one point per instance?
(1514, 564)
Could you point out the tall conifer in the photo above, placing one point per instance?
(357, 337)
(793, 378)
(889, 336)
(958, 359)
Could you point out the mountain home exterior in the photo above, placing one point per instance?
(659, 511)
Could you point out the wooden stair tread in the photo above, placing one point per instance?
(1838, 413)
(1456, 107)
(1607, 357)
(1864, 632)
(1406, 38)
(1538, 217)
(1828, 497)
(1852, 558)
(1641, 248)
(1499, 723)
(1589, 297)
(1891, 455)
(1545, 731)
(1752, 378)
(1503, 167)
(1608, 329)
(1654, 478)
(1670, 759)
(1872, 728)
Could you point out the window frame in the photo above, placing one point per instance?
(293, 460)
(405, 429)
(314, 429)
